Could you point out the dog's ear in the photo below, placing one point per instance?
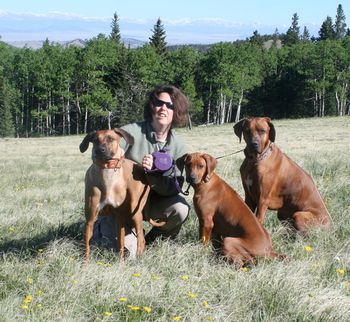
(272, 133)
(238, 128)
(128, 137)
(180, 162)
(211, 165)
(85, 143)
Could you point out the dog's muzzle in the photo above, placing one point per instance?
(102, 153)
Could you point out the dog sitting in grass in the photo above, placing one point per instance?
(223, 216)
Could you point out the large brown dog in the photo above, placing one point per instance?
(273, 181)
(114, 186)
(223, 216)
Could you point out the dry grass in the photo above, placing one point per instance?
(41, 273)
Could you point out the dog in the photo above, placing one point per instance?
(223, 216)
(271, 180)
(114, 186)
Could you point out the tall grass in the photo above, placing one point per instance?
(42, 277)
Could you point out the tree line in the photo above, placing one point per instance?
(58, 90)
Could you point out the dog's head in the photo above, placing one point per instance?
(257, 132)
(198, 167)
(106, 143)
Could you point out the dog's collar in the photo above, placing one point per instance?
(114, 163)
(262, 156)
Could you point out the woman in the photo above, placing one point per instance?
(166, 108)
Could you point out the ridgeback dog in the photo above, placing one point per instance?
(114, 186)
(271, 180)
(223, 216)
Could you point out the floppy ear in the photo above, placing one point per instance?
(238, 128)
(211, 165)
(128, 137)
(272, 133)
(180, 162)
(85, 143)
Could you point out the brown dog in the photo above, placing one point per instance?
(273, 181)
(114, 186)
(222, 214)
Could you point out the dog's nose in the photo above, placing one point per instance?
(101, 149)
(255, 145)
(190, 179)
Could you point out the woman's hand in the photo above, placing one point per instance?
(147, 162)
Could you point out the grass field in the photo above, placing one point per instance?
(42, 277)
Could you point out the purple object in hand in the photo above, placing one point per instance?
(162, 161)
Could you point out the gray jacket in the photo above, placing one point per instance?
(145, 143)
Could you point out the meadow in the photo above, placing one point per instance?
(43, 277)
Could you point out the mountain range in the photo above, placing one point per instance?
(36, 44)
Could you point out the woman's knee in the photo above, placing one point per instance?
(181, 211)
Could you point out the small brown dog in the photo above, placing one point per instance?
(114, 186)
(273, 181)
(223, 216)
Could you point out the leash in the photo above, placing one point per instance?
(227, 155)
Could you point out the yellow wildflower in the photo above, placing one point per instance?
(184, 277)
(75, 282)
(123, 299)
(340, 271)
(25, 307)
(107, 313)
(136, 274)
(206, 304)
(308, 248)
(192, 295)
(134, 308)
(28, 299)
(177, 318)
(147, 309)
(244, 269)
(29, 280)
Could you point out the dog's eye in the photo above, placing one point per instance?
(201, 166)
(261, 131)
(110, 139)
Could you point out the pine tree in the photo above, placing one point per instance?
(292, 35)
(306, 34)
(339, 25)
(157, 40)
(115, 33)
(256, 39)
(326, 31)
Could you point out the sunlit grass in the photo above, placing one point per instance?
(42, 276)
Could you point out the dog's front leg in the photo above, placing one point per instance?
(121, 236)
(261, 211)
(91, 215)
(206, 225)
(138, 224)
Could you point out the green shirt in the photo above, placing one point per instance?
(145, 143)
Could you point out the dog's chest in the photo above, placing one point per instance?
(113, 189)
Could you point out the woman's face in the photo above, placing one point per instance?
(163, 110)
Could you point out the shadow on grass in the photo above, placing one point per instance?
(29, 247)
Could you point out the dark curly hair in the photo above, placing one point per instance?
(180, 101)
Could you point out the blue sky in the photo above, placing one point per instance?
(185, 21)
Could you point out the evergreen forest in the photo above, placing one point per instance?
(64, 90)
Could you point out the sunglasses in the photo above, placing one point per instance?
(159, 103)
